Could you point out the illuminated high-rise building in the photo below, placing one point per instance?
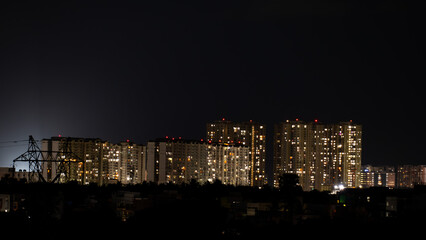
(322, 155)
(400, 176)
(377, 176)
(102, 161)
(92, 151)
(174, 161)
(114, 157)
(250, 134)
(130, 162)
(228, 163)
(180, 161)
(407, 176)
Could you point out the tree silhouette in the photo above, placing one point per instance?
(289, 182)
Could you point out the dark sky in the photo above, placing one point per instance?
(145, 69)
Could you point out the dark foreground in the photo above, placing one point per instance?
(211, 211)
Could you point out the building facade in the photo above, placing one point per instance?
(229, 164)
(129, 162)
(378, 176)
(175, 161)
(322, 155)
(91, 160)
(86, 159)
(250, 134)
(180, 161)
(400, 176)
(407, 176)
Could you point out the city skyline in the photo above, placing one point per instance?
(324, 156)
(225, 119)
(321, 155)
(137, 70)
(267, 160)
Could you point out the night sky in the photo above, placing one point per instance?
(139, 70)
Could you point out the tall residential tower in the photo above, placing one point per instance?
(181, 161)
(250, 134)
(322, 155)
(101, 161)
